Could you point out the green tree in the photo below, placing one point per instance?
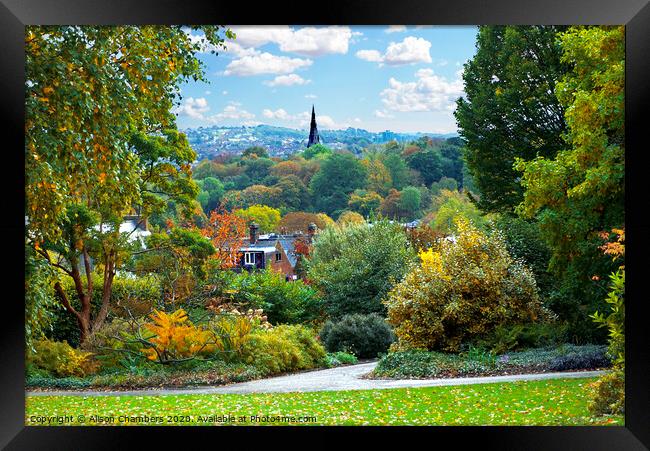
(212, 191)
(410, 201)
(294, 195)
(178, 258)
(39, 303)
(448, 206)
(580, 191)
(316, 149)
(257, 168)
(364, 202)
(283, 302)
(399, 172)
(429, 163)
(390, 205)
(379, 179)
(257, 151)
(452, 159)
(524, 240)
(205, 168)
(99, 105)
(510, 109)
(338, 176)
(266, 217)
(447, 183)
(357, 265)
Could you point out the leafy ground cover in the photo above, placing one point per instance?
(156, 376)
(419, 364)
(550, 402)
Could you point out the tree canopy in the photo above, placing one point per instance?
(101, 140)
(510, 109)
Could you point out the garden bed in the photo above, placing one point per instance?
(419, 364)
(210, 373)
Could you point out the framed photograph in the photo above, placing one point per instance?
(359, 216)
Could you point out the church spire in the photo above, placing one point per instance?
(313, 130)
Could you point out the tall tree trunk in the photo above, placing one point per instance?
(107, 290)
(82, 317)
(86, 302)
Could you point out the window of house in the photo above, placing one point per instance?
(249, 258)
(278, 256)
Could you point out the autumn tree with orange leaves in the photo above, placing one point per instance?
(225, 230)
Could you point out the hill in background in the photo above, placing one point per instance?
(281, 141)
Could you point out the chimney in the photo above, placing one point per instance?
(253, 232)
(311, 230)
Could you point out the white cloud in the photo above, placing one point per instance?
(410, 51)
(225, 93)
(302, 119)
(307, 41)
(429, 92)
(287, 80)
(327, 123)
(280, 114)
(198, 109)
(383, 114)
(395, 29)
(231, 111)
(257, 36)
(370, 55)
(265, 63)
(238, 50)
(356, 37)
(310, 96)
(207, 93)
(310, 41)
(194, 108)
(313, 41)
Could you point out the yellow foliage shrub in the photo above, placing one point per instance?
(283, 348)
(460, 291)
(609, 394)
(232, 330)
(61, 359)
(175, 337)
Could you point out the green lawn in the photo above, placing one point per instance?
(552, 402)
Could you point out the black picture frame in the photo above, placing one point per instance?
(635, 14)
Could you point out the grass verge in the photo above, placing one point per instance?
(548, 402)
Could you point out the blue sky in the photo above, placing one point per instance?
(398, 78)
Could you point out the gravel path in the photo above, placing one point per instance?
(333, 379)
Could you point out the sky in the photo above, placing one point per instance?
(398, 78)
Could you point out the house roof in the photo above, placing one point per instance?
(288, 244)
(267, 243)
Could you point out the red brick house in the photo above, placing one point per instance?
(274, 251)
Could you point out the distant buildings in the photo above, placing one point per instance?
(282, 141)
(387, 135)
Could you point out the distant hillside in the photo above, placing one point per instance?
(281, 141)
